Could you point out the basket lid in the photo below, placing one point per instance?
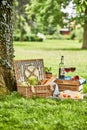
(27, 68)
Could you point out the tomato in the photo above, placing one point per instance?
(64, 95)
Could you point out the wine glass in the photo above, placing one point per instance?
(67, 70)
(72, 69)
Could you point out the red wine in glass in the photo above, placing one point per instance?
(67, 70)
(72, 69)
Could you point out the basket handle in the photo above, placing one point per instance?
(32, 89)
(51, 88)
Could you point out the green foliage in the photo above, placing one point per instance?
(48, 69)
(16, 37)
(32, 80)
(58, 36)
(73, 34)
(45, 16)
(26, 37)
(81, 9)
(77, 34)
(18, 113)
(22, 23)
(48, 13)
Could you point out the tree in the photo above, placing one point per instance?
(7, 77)
(21, 20)
(81, 8)
(48, 12)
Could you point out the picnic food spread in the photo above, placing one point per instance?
(31, 81)
(70, 94)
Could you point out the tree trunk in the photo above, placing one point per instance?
(84, 46)
(6, 46)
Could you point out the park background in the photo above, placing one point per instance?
(29, 18)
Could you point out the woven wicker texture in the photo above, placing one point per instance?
(27, 68)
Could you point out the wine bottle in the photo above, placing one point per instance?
(61, 68)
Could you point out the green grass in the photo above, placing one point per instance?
(51, 52)
(19, 113)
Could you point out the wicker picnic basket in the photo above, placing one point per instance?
(69, 85)
(38, 90)
(27, 68)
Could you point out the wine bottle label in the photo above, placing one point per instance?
(61, 68)
(61, 72)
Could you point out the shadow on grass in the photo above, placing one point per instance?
(49, 48)
(64, 49)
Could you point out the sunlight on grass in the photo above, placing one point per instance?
(51, 51)
(19, 113)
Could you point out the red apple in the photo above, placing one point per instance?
(76, 77)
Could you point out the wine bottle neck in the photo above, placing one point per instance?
(62, 59)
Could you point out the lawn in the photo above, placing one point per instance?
(19, 113)
(51, 52)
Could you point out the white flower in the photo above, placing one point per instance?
(42, 36)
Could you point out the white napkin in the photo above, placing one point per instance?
(56, 90)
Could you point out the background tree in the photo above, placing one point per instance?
(46, 13)
(7, 78)
(22, 22)
(49, 14)
(81, 17)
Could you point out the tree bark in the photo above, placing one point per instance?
(84, 45)
(6, 46)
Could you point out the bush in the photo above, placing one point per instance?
(58, 36)
(34, 37)
(26, 37)
(16, 37)
(30, 37)
(72, 35)
(77, 34)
